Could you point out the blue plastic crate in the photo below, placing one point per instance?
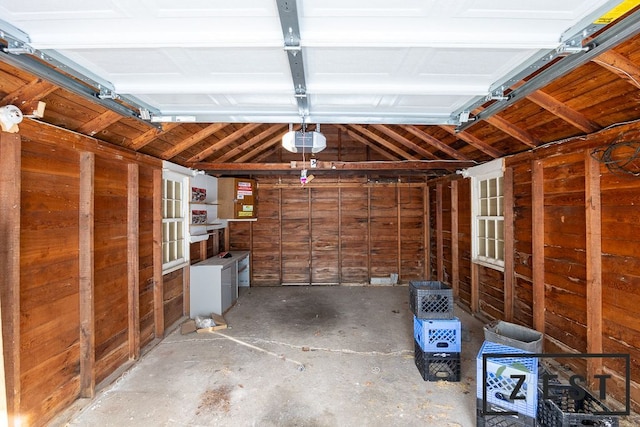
(435, 335)
(499, 383)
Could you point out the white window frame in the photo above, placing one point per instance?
(175, 220)
(487, 214)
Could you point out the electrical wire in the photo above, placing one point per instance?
(620, 157)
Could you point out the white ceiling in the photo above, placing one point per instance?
(365, 61)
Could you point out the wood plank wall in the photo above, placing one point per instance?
(335, 231)
(575, 260)
(81, 304)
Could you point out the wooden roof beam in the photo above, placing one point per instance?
(26, 98)
(513, 130)
(406, 142)
(386, 144)
(403, 165)
(250, 142)
(474, 141)
(100, 122)
(148, 137)
(368, 143)
(619, 65)
(563, 111)
(429, 139)
(191, 140)
(256, 152)
(243, 131)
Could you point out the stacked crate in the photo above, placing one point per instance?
(508, 384)
(436, 332)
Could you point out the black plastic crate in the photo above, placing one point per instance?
(439, 366)
(495, 420)
(562, 408)
(431, 300)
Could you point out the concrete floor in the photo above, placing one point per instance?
(294, 356)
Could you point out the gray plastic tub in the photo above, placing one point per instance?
(513, 335)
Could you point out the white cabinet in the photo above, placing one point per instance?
(215, 281)
(203, 204)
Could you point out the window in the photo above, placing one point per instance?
(487, 199)
(174, 221)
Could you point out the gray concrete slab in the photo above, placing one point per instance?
(294, 356)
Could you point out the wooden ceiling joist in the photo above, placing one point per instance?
(242, 132)
(191, 141)
(474, 141)
(260, 150)
(27, 96)
(513, 130)
(563, 111)
(406, 165)
(364, 141)
(434, 142)
(149, 136)
(100, 122)
(386, 144)
(254, 141)
(404, 141)
(619, 65)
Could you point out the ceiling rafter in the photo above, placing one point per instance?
(191, 140)
(619, 65)
(100, 122)
(386, 144)
(474, 141)
(509, 128)
(28, 95)
(149, 136)
(265, 150)
(353, 134)
(252, 141)
(243, 131)
(406, 142)
(563, 111)
(429, 139)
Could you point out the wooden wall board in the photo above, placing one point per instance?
(49, 281)
(173, 297)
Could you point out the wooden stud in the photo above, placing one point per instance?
(455, 261)
(133, 260)
(310, 231)
(594, 263)
(406, 142)
(232, 137)
(339, 235)
(439, 234)
(369, 232)
(475, 288)
(158, 285)
(87, 283)
(508, 234)
(10, 188)
(427, 233)
(537, 237)
(399, 230)
(280, 257)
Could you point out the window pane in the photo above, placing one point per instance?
(491, 248)
(500, 250)
(482, 225)
(500, 229)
